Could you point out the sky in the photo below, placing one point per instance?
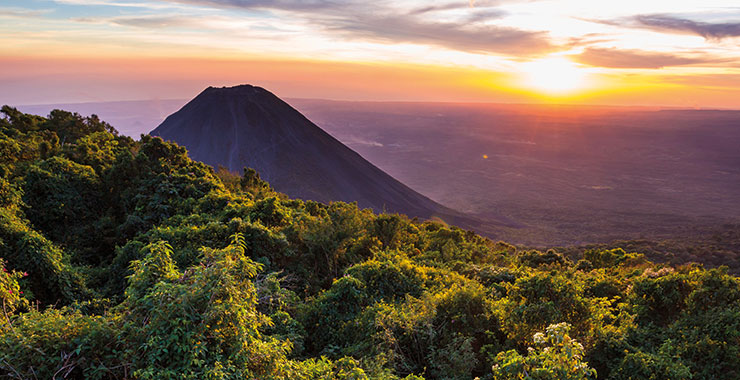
(629, 52)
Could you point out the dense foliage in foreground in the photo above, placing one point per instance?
(126, 259)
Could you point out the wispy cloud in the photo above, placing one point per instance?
(235, 26)
(681, 25)
(287, 5)
(479, 39)
(678, 25)
(727, 81)
(386, 22)
(149, 22)
(634, 59)
(151, 5)
(22, 13)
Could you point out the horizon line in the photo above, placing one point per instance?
(452, 102)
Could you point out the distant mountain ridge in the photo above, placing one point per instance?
(248, 126)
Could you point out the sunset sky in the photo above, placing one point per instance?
(626, 52)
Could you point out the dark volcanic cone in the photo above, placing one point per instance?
(247, 126)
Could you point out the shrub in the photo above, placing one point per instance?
(199, 323)
(61, 344)
(555, 357)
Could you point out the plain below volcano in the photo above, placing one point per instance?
(248, 126)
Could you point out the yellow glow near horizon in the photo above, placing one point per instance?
(553, 76)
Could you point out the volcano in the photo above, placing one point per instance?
(248, 126)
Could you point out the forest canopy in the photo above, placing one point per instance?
(124, 258)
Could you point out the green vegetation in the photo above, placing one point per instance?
(712, 246)
(125, 259)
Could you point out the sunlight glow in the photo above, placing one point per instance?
(660, 52)
(555, 75)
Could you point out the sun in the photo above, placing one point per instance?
(554, 76)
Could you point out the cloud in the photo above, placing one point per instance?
(146, 22)
(319, 5)
(634, 59)
(386, 22)
(484, 7)
(153, 5)
(680, 25)
(478, 39)
(22, 13)
(156, 22)
(437, 8)
(287, 5)
(730, 81)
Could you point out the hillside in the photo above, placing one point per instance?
(127, 259)
(249, 127)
